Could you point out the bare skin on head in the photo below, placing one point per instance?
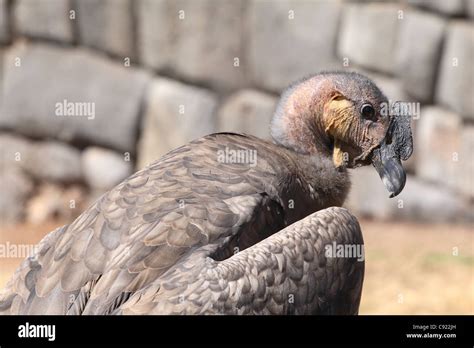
(322, 113)
(338, 115)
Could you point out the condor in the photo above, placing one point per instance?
(190, 234)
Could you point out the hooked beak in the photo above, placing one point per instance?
(386, 159)
(390, 169)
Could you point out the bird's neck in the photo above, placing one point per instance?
(298, 122)
(314, 183)
(298, 125)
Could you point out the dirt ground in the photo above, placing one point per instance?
(410, 268)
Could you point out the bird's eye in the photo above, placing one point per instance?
(368, 111)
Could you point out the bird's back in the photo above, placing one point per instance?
(198, 195)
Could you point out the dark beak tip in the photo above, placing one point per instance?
(396, 193)
(398, 183)
(391, 172)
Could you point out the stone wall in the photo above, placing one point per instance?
(92, 90)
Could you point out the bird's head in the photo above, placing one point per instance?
(347, 117)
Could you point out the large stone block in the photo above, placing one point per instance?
(54, 161)
(49, 19)
(14, 151)
(446, 7)
(247, 111)
(1, 77)
(368, 196)
(103, 168)
(419, 200)
(470, 8)
(71, 95)
(368, 35)
(391, 87)
(4, 23)
(200, 41)
(42, 160)
(438, 145)
(455, 87)
(175, 114)
(288, 40)
(423, 201)
(465, 180)
(417, 63)
(107, 25)
(16, 187)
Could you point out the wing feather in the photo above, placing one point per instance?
(147, 223)
(287, 273)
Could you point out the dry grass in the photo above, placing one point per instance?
(410, 268)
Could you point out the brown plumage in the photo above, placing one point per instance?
(198, 232)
